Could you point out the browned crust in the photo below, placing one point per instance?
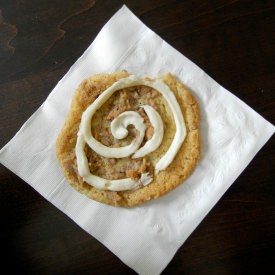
(178, 171)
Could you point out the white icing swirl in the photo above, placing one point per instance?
(153, 143)
(119, 130)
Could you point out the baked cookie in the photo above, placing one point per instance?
(128, 140)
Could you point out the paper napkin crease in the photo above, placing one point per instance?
(144, 237)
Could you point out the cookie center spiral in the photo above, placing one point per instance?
(119, 130)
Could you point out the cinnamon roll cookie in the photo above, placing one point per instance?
(127, 140)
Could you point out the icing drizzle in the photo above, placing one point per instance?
(119, 130)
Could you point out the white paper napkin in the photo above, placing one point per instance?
(145, 237)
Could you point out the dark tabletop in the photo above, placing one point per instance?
(233, 41)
